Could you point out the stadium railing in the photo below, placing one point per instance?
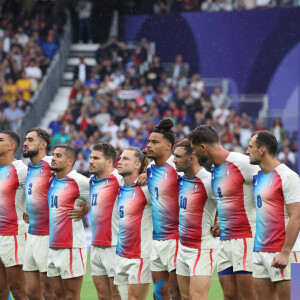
(49, 85)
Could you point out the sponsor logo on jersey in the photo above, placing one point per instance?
(195, 187)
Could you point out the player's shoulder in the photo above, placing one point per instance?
(79, 178)
(242, 162)
(204, 175)
(116, 177)
(19, 165)
(285, 172)
(47, 159)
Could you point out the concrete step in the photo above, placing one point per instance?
(85, 47)
(74, 61)
(68, 76)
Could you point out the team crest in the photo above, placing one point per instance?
(7, 175)
(271, 183)
(133, 195)
(227, 173)
(133, 277)
(276, 274)
(166, 175)
(66, 272)
(66, 186)
(41, 171)
(195, 187)
(107, 182)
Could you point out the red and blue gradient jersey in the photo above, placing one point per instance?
(232, 187)
(12, 198)
(197, 211)
(135, 222)
(272, 192)
(36, 192)
(163, 188)
(104, 213)
(63, 195)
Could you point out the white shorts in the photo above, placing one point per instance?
(236, 253)
(132, 271)
(194, 262)
(164, 255)
(262, 266)
(36, 253)
(12, 248)
(103, 261)
(66, 263)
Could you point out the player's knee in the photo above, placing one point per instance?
(32, 293)
(4, 292)
(175, 293)
(18, 292)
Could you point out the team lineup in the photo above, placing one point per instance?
(157, 215)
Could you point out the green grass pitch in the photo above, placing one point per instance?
(88, 291)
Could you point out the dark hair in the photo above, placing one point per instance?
(141, 157)
(13, 137)
(186, 145)
(267, 139)
(204, 134)
(70, 151)
(108, 151)
(41, 133)
(165, 128)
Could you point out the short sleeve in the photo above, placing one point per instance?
(291, 188)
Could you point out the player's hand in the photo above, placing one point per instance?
(142, 179)
(26, 217)
(80, 212)
(280, 261)
(215, 230)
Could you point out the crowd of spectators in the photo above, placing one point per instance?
(120, 101)
(28, 43)
(175, 6)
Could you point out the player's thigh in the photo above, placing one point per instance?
(72, 287)
(114, 290)
(283, 289)
(102, 285)
(45, 286)
(184, 286)
(3, 282)
(57, 286)
(33, 284)
(265, 289)
(138, 291)
(161, 285)
(199, 287)
(15, 277)
(245, 285)
(229, 286)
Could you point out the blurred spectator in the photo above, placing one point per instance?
(81, 165)
(84, 9)
(56, 125)
(196, 87)
(12, 115)
(10, 90)
(50, 47)
(279, 131)
(287, 157)
(24, 87)
(220, 114)
(82, 70)
(218, 98)
(178, 72)
(34, 73)
(60, 138)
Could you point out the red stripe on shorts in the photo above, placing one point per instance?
(282, 275)
(140, 270)
(176, 252)
(71, 263)
(82, 260)
(25, 236)
(245, 254)
(211, 261)
(16, 249)
(296, 260)
(196, 262)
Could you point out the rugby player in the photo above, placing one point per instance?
(12, 226)
(104, 187)
(277, 197)
(35, 147)
(68, 249)
(232, 186)
(163, 188)
(135, 227)
(197, 211)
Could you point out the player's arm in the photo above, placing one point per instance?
(292, 231)
(83, 206)
(215, 230)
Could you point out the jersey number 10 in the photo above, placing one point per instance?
(54, 201)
